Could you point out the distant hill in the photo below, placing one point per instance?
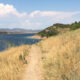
(17, 30)
(58, 28)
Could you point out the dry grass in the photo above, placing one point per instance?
(61, 56)
(12, 62)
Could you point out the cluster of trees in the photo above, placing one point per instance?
(47, 34)
(62, 25)
(3, 32)
(53, 30)
(75, 25)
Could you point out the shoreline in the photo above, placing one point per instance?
(36, 37)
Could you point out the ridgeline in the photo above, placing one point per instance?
(58, 28)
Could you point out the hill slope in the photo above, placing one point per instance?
(58, 55)
(58, 29)
(61, 56)
(12, 62)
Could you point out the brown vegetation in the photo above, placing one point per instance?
(61, 56)
(12, 62)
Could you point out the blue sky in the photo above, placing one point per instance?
(37, 14)
(44, 5)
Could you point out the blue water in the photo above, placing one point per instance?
(8, 40)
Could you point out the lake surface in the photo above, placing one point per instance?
(8, 40)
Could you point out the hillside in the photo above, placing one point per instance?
(58, 29)
(54, 58)
(61, 56)
(12, 62)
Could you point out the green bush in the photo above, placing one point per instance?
(22, 57)
(49, 33)
(75, 26)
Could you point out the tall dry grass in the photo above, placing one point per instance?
(12, 62)
(61, 56)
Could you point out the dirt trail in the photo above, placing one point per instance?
(34, 71)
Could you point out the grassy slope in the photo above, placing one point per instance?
(12, 62)
(61, 56)
(58, 29)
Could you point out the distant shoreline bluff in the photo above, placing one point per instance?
(37, 37)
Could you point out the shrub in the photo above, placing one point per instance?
(75, 26)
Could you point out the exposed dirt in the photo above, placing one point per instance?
(34, 69)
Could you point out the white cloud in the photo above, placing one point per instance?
(9, 9)
(34, 13)
(50, 17)
(34, 20)
(31, 24)
(53, 14)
